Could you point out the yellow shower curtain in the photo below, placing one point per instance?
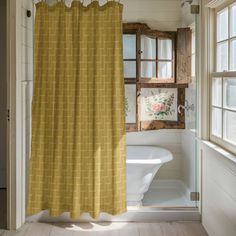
(78, 126)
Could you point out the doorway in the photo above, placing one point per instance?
(3, 115)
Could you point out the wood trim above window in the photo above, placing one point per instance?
(184, 56)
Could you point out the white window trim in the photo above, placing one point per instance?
(212, 73)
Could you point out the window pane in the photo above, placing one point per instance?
(164, 49)
(233, 55)
(222, 56)
(130, 69)
(164, 70)
(230, 126)
(129, 46)
(233, 20)
(130, 103)
(217, 92)
(148, 47)
(216, 121)
(222, 25)
(148, 69)
(193, 72)
(230, 93)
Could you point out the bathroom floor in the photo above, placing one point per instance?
(166, 197)
(110, 229)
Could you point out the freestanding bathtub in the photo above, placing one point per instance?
(142, 162)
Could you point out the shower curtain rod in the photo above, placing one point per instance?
(75, 1)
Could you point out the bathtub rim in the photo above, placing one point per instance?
(159, 160)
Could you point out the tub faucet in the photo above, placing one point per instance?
(186, 107)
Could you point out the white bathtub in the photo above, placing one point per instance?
(143, 162)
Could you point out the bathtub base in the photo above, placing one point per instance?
(134, 200)
(133, 203)
(142, 164)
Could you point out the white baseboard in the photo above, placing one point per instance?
(141, 215)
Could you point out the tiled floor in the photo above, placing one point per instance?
(110, 229)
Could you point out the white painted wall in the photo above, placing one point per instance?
(3, 96)
(158, 14)
(218, 166)
(218, 191)
(186, 17)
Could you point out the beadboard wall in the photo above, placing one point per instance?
(218, 191)
(169, 139)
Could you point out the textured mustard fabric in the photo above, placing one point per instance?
(78, 125)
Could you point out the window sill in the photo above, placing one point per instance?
(223, 152)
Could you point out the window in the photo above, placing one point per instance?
(157, 58)
(129, 54)
(223, 80)
(153, 91)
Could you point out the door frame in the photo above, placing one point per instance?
(16, 163)
(15, 159)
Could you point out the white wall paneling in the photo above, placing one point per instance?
(218, 166)
(169, 139)
(219, 192)
(175, 141)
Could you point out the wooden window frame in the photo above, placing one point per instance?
(158, 35)
(221, 141)
(142, 29)
(132, 30)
